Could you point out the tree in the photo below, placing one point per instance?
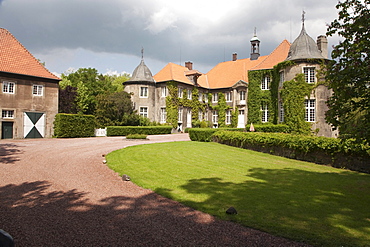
(67, 100)
(114, 108)
(349, 72)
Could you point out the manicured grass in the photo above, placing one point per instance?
(303, 201)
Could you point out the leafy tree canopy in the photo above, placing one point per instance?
(88, 84)
(349, 72)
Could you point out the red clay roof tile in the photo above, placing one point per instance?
(226, 74)
(15, 58)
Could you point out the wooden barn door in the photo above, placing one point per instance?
(34, 125)
(7, 130)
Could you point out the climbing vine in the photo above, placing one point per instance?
(172, 103)
(293, 95)
(257, 96)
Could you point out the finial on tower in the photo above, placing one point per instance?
(303, 17)
(255, 32)
(142, 53)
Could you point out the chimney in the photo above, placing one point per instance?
(189, 65)
(322, 44)
(235, 56)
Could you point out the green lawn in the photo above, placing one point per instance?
(303, 201)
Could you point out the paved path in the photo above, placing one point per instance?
(58, 192)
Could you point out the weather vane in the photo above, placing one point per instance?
(303, 19)
(255, 32)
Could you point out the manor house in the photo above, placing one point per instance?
(236, 92)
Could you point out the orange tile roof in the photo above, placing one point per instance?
(173, 72)
(226, 74)
(276, 56)
(15, 58)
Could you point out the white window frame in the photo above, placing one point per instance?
(214, 97)
(228, 96)
(9, 87)
(281, 112)
(144, 91)
(310, 110)
(163, 117)
(179, 115)
(242, 95)
(265, 112)
(228, 117)
(200, 115)
(7, 114)
(180, 92)
(265, 84)
(200, 96)
(215, 117)
(164, 91)
(143, 111)
(189, 94)
(282, 78)
(37, 90)
(309, 74)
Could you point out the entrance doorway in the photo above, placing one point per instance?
(34, 125)
(241, 123)
(6, 130)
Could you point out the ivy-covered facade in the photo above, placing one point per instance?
(282, 87)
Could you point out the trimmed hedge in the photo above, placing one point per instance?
(145, 130)
(205, 134)
(74, 125)
(321, 150)
(269, 127)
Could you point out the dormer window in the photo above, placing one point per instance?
(265, 85)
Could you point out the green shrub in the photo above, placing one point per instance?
(205, 134)
(145, 130)
(323, 150)
(269, 127)
(136, 136)
(74, 125)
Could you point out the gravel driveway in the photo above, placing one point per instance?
(58, 192)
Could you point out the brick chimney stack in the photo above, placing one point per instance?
(189, 65)
(235, 56)
(322, 44)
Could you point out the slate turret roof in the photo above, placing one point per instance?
(16, 59)
(142, 74)
(304, 47)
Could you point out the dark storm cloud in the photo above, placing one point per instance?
(168, 34)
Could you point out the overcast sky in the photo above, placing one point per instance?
(108, 34)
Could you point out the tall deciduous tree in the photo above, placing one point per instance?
(349, 72)
(114, 108)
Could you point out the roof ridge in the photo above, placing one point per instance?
(24, 49)
(267, 56)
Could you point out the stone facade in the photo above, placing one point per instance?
(28, 95)
(231, 79)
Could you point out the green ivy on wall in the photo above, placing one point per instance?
(172, 103)
(293, 96)
(257, 96)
